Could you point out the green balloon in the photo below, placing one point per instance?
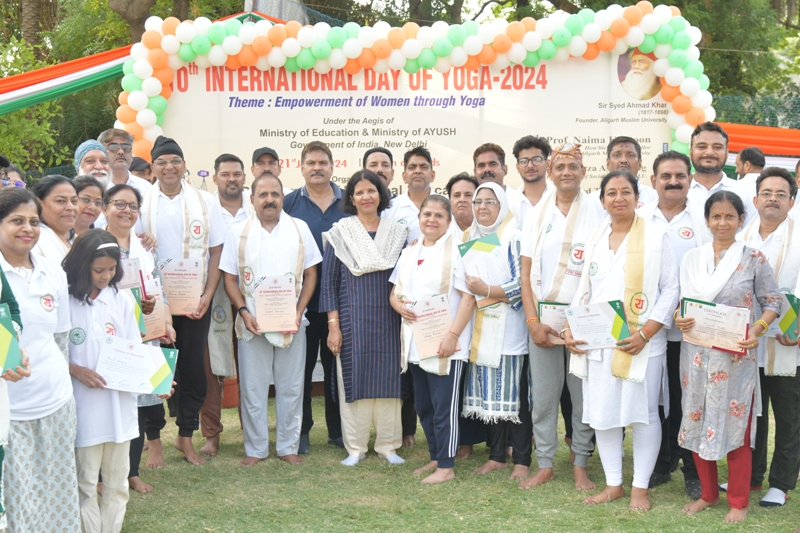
(131, 82)
(186, 53)
(442, 47)
(693, 68)
(306, 59)
(411, 66)
(547, 50)
(321, 49)
(561, 37)
(704, 82)
(678, 23)
(127, 67)
(291, 64)
(674, 137)
(159, 119)
(575, 24)
(471, 27)
(648, 45)
(157, 104)
(337, 36)
(678, 58)
(351, 29)
(678, 146)
(531, 60)
(232, 26)
(201, 45)
(587, 15)
(427, 58)
(457, 34)
(681, 41)
(664, 34)
(217, 33)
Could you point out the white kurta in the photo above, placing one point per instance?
(698, 193)
(405, 211)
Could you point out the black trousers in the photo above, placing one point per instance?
(784, 393)
(152, 420)
(317, 343)
(190, 371)
(437, 406)
(500, 433)
(670, 426)
(408, 414)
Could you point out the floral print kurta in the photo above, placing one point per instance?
(718, 387)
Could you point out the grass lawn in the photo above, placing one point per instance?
(321, 495)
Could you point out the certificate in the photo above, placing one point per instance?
(156, 322)
(165, 360)
(601, 325)
(553, 314)
(126, 365)
(276, 305)
(432, 325)
(786, 323)
(478, 261)
(10, 354)
(131, 274)
(183, 283)
(716, 326)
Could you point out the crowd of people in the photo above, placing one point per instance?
(360, 262)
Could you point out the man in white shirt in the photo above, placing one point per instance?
(625, 153)
(266, 160)
(749, 164)
(531, 154)
(685, 226)
(91, 159)
(119, 144)
(418, 174)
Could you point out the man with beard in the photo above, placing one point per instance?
(708, 152)
(625, 153)
(91, 159)
(641, 82)
(381, 163)
(531, 154)
(418, 174)
(119, 144)
(460, 190)
(684, 224)
(265, 160)
(749, 164)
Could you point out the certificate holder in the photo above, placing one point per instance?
(137, 310)
(156, 322)
(554, 315)
(183, 284)
(10, 354)
(131, 274)
(601, 325)
(276, 304)
(786, 323)
(433, 324)
(165, 360)
(720, 327)
(475, 255)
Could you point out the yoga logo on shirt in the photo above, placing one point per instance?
(248, 276)
(686, 232)
(48, 302)
(110, 329)
(593, 268)
(576, 253)
(639, 303)
(196, 229)
(77, 336)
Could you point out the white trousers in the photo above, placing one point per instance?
(261, 363)
(358, 416)
(111, 460)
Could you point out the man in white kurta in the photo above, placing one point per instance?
(749, 164)
(285, 245)
(625, 153)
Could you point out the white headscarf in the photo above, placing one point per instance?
(477, 230)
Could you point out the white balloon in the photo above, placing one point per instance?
(119, 125)
(153, 86)
(306, 37)
(661, 66)
(621, 47)
(500, 25)
(693, 52)
(695, 34)
(263, 26)
(577, 46)
(711, 114)
(146, 118)
(675, 76)
(684, 133)
(137, 100)
(473, 45)
(247, 34)
(232, 45)
(602, 18)
(615, 10)
(487, 33)
(153, 132)
(382, 28)
(321, 30)
(174, 62)
(663, 13)
(544, 28)
(532, 41)
(201, 62)
(562, 55)
(263, 63)
(559, 18)
(662, 50)
(425, 36)
(367, 36)
(381, 66)
(674, 120)
(337, 59)
(649, 24)
(322, 66)
(442, 65)
(201, 25)
(517, 54)
(702, 99)
(440, 28)
(635, 36)
(352, 48)
(396, 60)
(142, 68)
(290, 47)
(217, 56)
(140, 51)
(277, 58)
(411, 48)
(154, 23)
(500, 63)
(185, 32)
(690, 87)
(591, 33)
(169, 43)
(459, 56)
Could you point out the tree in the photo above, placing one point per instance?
(134, 12)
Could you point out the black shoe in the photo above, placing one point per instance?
(658, 479)
(304, 444)
(693, 488)
(337, 442)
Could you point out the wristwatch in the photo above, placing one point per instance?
(241, 310)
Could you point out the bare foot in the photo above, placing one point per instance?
(184, 445)
(464, 451)
(138, 485)
(640, 499)
(211, 447)
(509, 452)
(582, 481)
(427, 468)
(608, 494)
(698, 505)
(440, 476)
(735, 515)
(408, 441)
(490, 466)
(292, 459)
(250, 461)
(542, 476)
(155, 459)
(100, 487)
(520, 472)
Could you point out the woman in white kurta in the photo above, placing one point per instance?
(630, 260)
(59, 211)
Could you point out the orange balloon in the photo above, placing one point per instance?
(502, 43)
(166, 91)
(633, 15)
(126, 113)
(367, 58)
(134, 129)
(292, 27)
(151, 39)
(142, 148)
(381, 48)
(123, 98)
(516, 31)
(158, 58)
(247, 56)
(620, 27)
(277, 34)
(669, 92)
(681, 104)
(662, 80)
(261, 45)
(233, 63)
(352, 66)
(164, 75)
(645, 7)
(411, 29)
(676, 12)
(473, 63)
(487, 55)
(607, 42)
(396, 37)
(169, 25)
(592, 51)
(695, 116)
(529, 23)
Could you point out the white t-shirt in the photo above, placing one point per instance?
(231, 220)
(698, 193)
(104, 415)
(50, 246)
(747, 186)
(404, 210)
(44, 305)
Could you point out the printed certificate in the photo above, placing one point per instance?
(716, 326)
(183, 284)
(156, 322)
(432, 325)
(126, 365)
(131, 275)
(601, 325)
(276, 305)
(553, 314)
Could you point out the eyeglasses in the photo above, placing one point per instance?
(121, 205)
(161, 163)
(116, 147)
(487, 203)
(86, 201)
(538, 160)
(780, 195)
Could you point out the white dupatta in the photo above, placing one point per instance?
(362, 254)
(700, 280)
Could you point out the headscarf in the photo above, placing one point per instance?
(566, 151)
(84, 148)
(165, 145)
(477, 230)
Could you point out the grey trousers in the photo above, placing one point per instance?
(547, 369)
(260, 363)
